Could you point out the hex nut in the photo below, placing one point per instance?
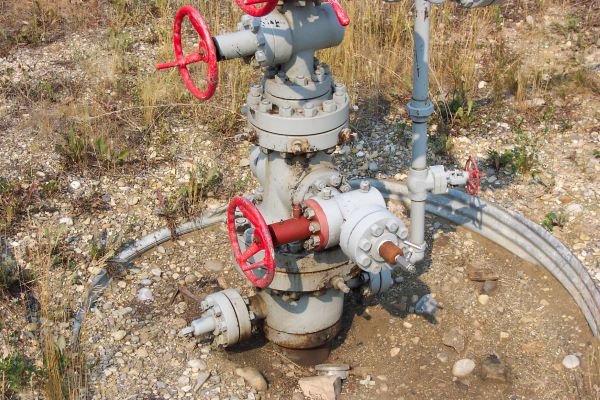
(363, 260)
(329, 106)
(310, 110)
(285, 110)
(335, 180)
(365, 245)
(365, 186)
(340, 88)
(301, 80)
(392, 226)
(376, 230)
(309, 213)
(260, 56)
(265, 106)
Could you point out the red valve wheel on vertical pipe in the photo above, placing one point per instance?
(261, 241)
(207, 53)
(249, 7)
(341, 15)
(474, 176)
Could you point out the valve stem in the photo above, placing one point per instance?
(394, 255)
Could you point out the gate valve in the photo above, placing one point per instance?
(250, 8)
(261, 241)
(341, 15)
(474, 176)
(206, 53)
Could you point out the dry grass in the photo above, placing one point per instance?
(64, 367)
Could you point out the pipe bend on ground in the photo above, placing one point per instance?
(515, 233)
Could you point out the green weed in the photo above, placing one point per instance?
(554, 219)
(17, 372)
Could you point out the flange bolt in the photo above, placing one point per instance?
(326, 193)
(265, 106)
(363, 260)
(309, 213)
(310, 110)
(376, 230)
(365, 186)
(392, 226)
(314, 227)
(329, 106)
(301, 80)
(365, 245)
(335, 180)
(285, 110)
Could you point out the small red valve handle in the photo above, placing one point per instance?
(341, 15)
(249, 7)
(207, 53)
(474, 176)
(261, 241)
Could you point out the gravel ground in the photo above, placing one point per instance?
(528, 322)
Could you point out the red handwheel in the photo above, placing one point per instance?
(250, 8)
(474, 176)
(341, 15)
(206, 53)
(261, 241)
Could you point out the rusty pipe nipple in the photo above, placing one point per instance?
(390, 252)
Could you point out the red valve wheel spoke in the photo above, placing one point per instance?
(474, 176)
(250, 251)
(250, 8)
(207, 53)
(262, 241)
(341, 15)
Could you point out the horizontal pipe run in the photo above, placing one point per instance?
(290, 230)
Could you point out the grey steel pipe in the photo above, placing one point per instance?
(419, 109)
(515, 233)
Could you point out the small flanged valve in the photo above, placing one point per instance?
(260, 272)
(474, 176)
(207, 53)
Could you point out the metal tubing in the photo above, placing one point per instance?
(204, 325)
(235, 45)
(419, 109)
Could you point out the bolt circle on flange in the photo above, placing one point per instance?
(262, 241)
(207, 53)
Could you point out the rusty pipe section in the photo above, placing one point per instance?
(291, 230)
(390, 252)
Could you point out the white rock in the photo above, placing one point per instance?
(132, 201)
(75, 185)
(119, 335)
(156, 272)
(325, 387)
(529, 20)
(253, 377)
(394, 351)
(481, 84)
(463, 367)
(483, 299)
(66, 221)
(183, 380)
(197, 363)
(145, 294)
(571, 361)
